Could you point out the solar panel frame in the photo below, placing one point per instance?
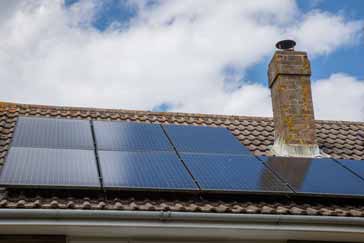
(155, 140)
(204, 139)
(150, 163)
(319, 175)
(36, 133)
(355, 166)
(219, 181)
(24, 162)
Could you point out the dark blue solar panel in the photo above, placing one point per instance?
(357, 166)
(220, 172)
(42, 167)
(148, 170)
(199, 139)
(53, 133)
(130, 136)
(316, 176)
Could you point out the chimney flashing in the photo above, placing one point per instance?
(280, 148)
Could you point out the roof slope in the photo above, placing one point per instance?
(338, 139)
(242, 205)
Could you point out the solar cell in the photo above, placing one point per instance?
(43, 167)
(149, 170)
(221, 172)
(199, 139)
(52, 133)
(357, 166)
(316, 176)
(130, 136)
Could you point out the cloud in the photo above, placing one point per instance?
(170, 52)
(322, 32)
(341, 96)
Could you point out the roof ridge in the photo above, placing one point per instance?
(92, 109)
(159, 113)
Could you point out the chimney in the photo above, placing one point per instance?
(294, 122)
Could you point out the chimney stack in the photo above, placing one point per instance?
(294, 122)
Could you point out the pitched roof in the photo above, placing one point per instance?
(339, 139)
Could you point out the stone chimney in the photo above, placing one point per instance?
(294, 122)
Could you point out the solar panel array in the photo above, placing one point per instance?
(68, 153)
(147, 169)
(317, 176)
(219, 163)
(138, 155)
(49, 152)
(53, 133)
(198, 139)
(44, 167)
(129, 136)
(227, 172)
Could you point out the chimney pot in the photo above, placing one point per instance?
(286, 45)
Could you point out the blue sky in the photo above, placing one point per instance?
(110, 12)
(199, 56)
(346, 59)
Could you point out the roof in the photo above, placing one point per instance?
(338, 139)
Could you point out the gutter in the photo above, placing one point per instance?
(176, 216)
(135, 224)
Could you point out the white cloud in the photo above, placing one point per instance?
(322, 32)
(339, 97)
(174, 52)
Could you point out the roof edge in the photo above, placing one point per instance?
(206, 225)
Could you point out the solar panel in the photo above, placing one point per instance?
(52, 133)
(200, 139)
(221, 172)
(43, 167)
(316, 176)
(129, 136)
(357, 166)
(148, 170)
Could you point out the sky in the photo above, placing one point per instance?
(200, 56)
